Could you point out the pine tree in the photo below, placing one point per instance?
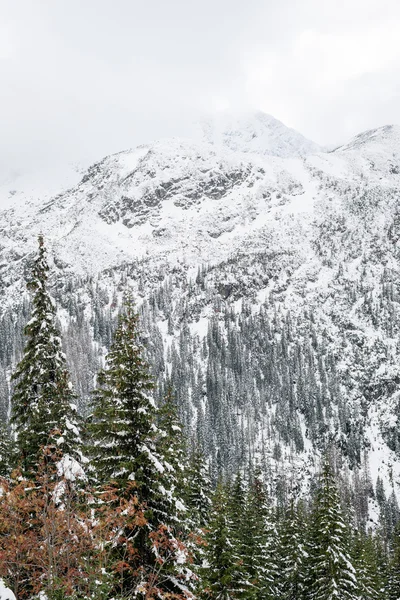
(382, 563)
(237, 508)
(44, 412)
(6, 450)
(197, 497)
(293, 554)
(331, 572)
(173, 481)
(394, 566)
(125, 451)
(366, 562)
(260, 551)
(223, 577)
(170, 445)
(122, 423)
(198, 490)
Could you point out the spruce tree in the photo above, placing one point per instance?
(366, 561)
(237, 505)
(198, 490)
(331, 572)
(122, 424)
(241, 534)
(382, 563)
(197, 497)
(293, 554)
(126, 446)
(171, 448)
(255, 541)
(129, 440)
(224, 575)
(44, 412)
(6, 450)
(394, 566)
(259, 543)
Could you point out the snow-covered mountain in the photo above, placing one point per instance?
(269, 273)
(255, 133)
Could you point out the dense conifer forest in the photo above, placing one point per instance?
(118, 501)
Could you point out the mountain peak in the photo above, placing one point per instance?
(255, 132)
(387, 135)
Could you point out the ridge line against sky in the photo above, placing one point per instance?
(81, 80)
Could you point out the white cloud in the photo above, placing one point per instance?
(83, 79)
(330, 82)
(7, 44)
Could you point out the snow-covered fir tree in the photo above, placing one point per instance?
(122, 424)
(293, 554)
(393, 582)
(224, 576)
(130, 451)
(6, 450)
(371, 584)
(242, 531)
(126, 441)
(171, 448)
(260, 542)
(198, 489)
(44, 411)
(331, 574)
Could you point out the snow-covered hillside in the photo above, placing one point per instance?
(255, 133)
(269, 273)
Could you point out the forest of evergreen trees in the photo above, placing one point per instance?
(115, 501)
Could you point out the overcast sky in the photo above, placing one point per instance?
(84, 78)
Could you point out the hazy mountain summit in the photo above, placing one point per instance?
(386, 136)
(256, 133)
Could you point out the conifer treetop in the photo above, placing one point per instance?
(44, 410)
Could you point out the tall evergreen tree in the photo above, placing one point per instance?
(293, 554)
(122, 423)
(241, 532)
(371, 585)
(44, 412)
(237, 506)
(259, 543)
(6, 450)
(224, 574)
(382, 563)
(197, 497)
(332, 574)
(394, 566)
(171, 448)
(198, 490)
(125, 450)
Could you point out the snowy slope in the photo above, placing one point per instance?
(186, 200)
(256, 133)
(280, 224)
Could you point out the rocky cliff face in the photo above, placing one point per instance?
(268, 272)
